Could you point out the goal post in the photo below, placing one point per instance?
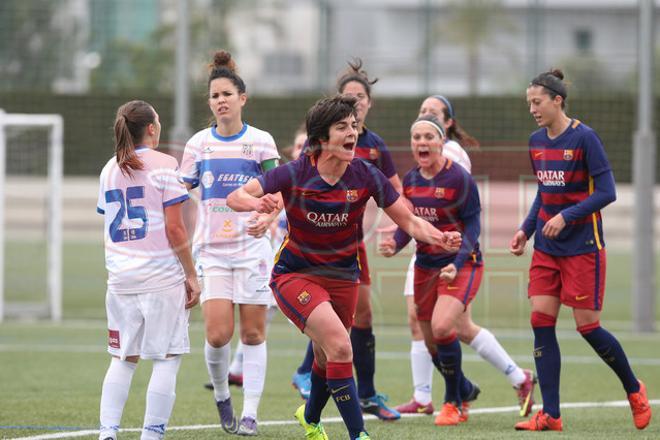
(55, 126)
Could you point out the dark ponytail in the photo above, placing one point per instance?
(130, 125)
(223, 66)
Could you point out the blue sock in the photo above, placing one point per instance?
(344, 393)
(364, 359)
(465, 386)
(318, 395)
(449, 363)
(548, 361)
(610, 351)
(306, 365)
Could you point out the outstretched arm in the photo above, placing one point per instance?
(251, 197)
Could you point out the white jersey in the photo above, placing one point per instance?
(220, 165)
(453, 151)
(138, 255)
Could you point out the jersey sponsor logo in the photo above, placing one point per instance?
(373, 153)
(227, 226)
(304, 297)
(327, 220)
(551, 177)
(113, 338)
(233, 177)
(568, 154)
(428, 214)
(439, 193)
(351, 195)
(247, 150)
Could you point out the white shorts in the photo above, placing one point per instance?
(149, 325)
(242, 277)
(409, 287)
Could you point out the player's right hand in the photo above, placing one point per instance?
(267, 204)
(387, 247)
(518, 242)
(192, 291)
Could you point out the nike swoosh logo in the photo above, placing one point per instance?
(580, 298)
(339, 389)
(452, 288)
(537, 155)
(421, 409)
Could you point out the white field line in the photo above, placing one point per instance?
(391, 355)
(494, 410)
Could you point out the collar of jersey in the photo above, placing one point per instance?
(233, 137)
(141, 147)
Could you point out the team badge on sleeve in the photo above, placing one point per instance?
(304, 297)
(351, 195)
(568, 154)
(439, 193)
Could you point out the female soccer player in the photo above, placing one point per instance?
(317, 269)
(575, 182)
(445, 282)
(233, 253)
(151, 276)
(479, 338)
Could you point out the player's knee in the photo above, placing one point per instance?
(218, 337)
(252, 336)
(442, 329)
(339, 350)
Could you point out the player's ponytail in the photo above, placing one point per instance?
(354, 72)
(130, 125)
(455, 131)
(552, 82)
(223, 66)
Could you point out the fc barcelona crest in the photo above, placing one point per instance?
(247, 150)
(351, 195)
(568, 154)
(439, 193)
(373, 153)
(304, 297)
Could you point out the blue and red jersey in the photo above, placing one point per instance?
(450, 202)
(371, 148)
(565, 168)
(324, 220)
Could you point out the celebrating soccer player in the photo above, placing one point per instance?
(315, 278)
(445, 282)
(575, 182)
(151, 276)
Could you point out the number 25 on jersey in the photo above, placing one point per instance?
(117, 234)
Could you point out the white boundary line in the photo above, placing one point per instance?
(494, 410)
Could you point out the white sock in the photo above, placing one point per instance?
(490, 349)
(160, 398)
(422, 372)
(217, 363)
(114, 393)
(236, 366)
(254, 375)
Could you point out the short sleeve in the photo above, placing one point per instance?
(381, 189)
(595, 156)
(268, 149)
(189, 171)
(173, 189)
(278, 179)
(385, 163)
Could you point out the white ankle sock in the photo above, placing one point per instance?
(254, 375)
(217, 363)
(114, 393)
(160, 398)
(487, 346)
(422, 372)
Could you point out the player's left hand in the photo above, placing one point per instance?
(448, 273)
(387, 247)
(258, 225)
(554, 226)
(192, 291)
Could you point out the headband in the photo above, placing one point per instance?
(447, 104)
(431, 123)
